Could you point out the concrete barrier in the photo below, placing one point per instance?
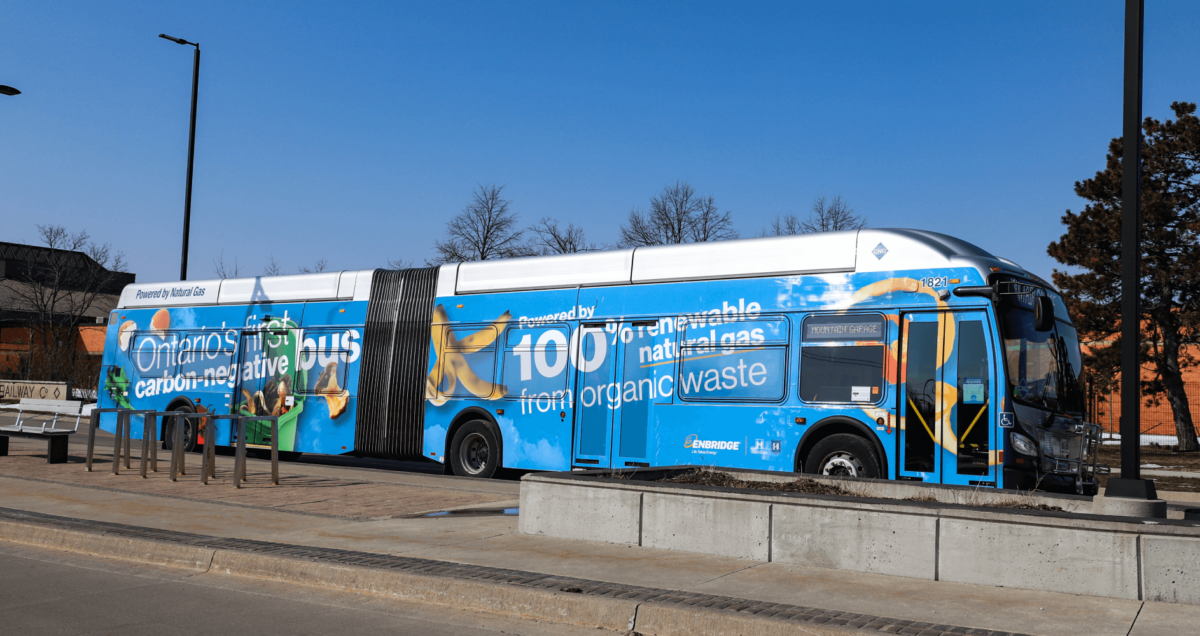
(1171, 569)
(712, 525)
(1010, 552)
(612, 516)
(1094, 555)
(883, 542)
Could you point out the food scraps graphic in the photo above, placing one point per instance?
(327, 385)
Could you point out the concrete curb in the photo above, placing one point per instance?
(552, 604)
(665, 620)
(559, 607)
(122, 548)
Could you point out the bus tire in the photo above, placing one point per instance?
(843, 455)
(189, 430)
(475, 451)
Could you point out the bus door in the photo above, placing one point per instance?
(266, 367)
(969, 448)
(616, 385)
(595, 396)
(946, 395)
(639, 389)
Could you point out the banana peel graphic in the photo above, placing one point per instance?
(450, 363)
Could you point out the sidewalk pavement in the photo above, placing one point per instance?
(321, 511)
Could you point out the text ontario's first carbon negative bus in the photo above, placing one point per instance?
(900, 354)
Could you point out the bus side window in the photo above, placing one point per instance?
(733, 360)
(535, 360)
(205, 355)
(152, 354)
(324, 363)
(841, 358)
(468, 363)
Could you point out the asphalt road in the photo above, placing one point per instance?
(48, 592)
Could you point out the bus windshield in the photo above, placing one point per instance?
(1044, 367)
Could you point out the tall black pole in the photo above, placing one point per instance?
(1131, 245)
(187, 197)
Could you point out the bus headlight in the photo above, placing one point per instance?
(1023, 444)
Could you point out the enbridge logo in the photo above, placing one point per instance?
(693, 441)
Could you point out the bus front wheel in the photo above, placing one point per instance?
(842, 456)
(475, 451)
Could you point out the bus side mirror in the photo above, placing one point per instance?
(984, 291)
(1043, 313)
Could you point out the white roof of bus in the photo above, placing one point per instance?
(867, 250)
(829, 252)
(355, 285)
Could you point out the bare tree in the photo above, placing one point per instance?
(61, 289)
(318, 267)
(677, 215)
(784, 226)
(710, 224)
(484, 230)
(223, 270)
(550, 238)
(273, 267)
(832, 216)
(399, 263)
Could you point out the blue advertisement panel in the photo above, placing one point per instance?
(296, 361)
(726, 372)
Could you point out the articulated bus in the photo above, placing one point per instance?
(898, 354)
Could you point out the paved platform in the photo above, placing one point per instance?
(335, 509)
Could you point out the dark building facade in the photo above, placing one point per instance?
(53, 308)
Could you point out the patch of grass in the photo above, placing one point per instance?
(1164, 456)
(711, 477)
(1164, 484)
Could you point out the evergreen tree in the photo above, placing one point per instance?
(1170, 275)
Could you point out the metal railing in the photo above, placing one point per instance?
(1157, 417)
(122, 441)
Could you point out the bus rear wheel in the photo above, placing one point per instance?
(475, 451)
(189, 430)
(842, 456)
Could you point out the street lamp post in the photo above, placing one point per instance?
(1131, 484)
(187, 197)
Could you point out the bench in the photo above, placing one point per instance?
(61, 407)
(56, 438)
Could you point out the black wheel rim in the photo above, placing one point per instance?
(473, 454)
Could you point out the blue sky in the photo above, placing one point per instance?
(352, 131)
